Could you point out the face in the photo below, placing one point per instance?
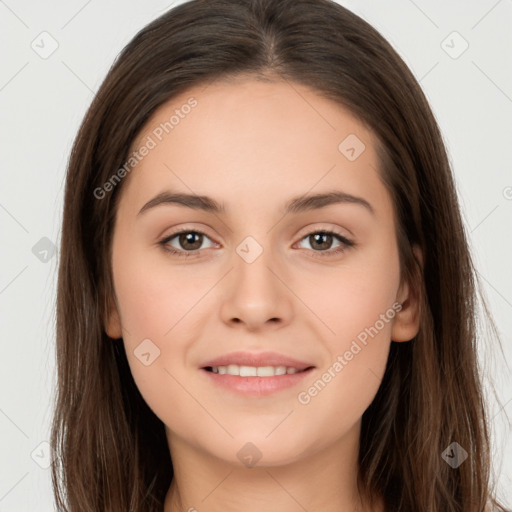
(317, 282)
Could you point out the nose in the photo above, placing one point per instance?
(256, 294)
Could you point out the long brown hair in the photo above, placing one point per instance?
(111, 450)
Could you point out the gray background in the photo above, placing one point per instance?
(44, 97)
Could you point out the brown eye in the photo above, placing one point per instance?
(321, 242)
(184, 242)
(190, 240)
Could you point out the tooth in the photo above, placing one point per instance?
(233, 369)
(253, 371)
(265, 371)
(248, 371)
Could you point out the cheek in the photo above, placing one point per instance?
(351, 297)
(155, 309)
(355, 304)
(153, 296)
(155, 319)
(340, 392)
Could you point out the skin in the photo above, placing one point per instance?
(253, 145)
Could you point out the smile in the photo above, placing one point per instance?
(255, 381)
(252, 371)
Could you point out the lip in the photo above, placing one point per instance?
(257, 359)
(257, 386)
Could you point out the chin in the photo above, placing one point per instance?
(260, 451)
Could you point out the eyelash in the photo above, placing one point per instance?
(322, 254)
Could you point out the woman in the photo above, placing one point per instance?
(264, 371)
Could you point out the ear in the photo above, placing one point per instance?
(407, 321)
(113, 321)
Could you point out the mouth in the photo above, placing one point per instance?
(255, 371)
(255, 381)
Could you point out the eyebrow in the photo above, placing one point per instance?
(294, 205)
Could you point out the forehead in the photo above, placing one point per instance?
(247, 138)
(242, 105)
